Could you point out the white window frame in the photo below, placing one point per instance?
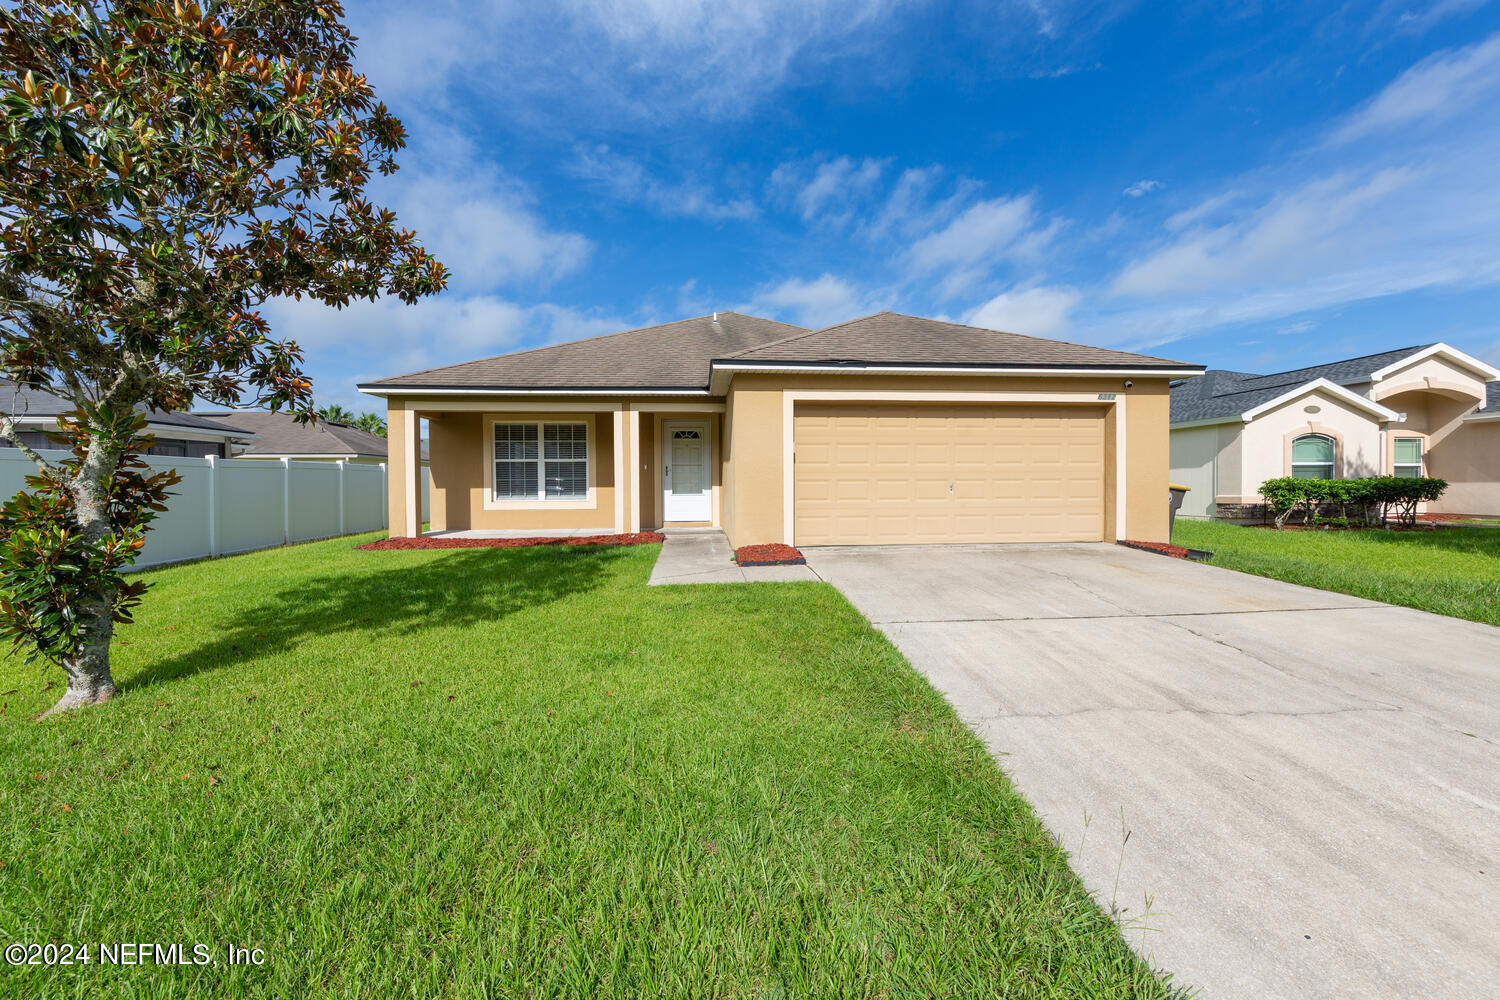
(1333, 455)
(1421, 463)
(589, 501)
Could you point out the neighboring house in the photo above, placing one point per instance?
(186, 435)
(886, 429)
(279, 435)
(1419, 411)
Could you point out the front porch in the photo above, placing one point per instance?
(517, 467)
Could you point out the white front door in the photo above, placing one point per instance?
(686, 485)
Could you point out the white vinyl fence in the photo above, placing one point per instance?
(226, 505)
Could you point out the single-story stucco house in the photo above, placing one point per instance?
(1419, 411)
(279, 435)
(177, 434)
(886, 429)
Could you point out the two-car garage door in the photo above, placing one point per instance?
(872, 473)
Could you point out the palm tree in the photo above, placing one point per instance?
(335, 414)
(374, 423)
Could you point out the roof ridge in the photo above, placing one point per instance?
(946, 322)
(807, 333)
(585, 340)
(1047, 340)
(1345, 361)
(356, 441)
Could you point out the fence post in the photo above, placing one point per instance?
(213, 505)
(341, 496)
(286, 501)
(385, 509)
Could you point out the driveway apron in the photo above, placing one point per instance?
(1285, 792)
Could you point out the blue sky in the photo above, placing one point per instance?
(1246, 185)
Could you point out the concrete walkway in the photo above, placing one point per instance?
(703, 555)
(1310, 782)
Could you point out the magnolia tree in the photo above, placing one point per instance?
(164, 169)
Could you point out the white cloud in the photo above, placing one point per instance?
(626, 60)
(476, 219)
(985, 230)
(1038, 311)
(1205, 209)
(1443, 85)
(1417, 21)
(629, 180)
(1141, 187)
(981, 238)
(1310, 225)
(369, 340)
(821, 302)
(622, 63)
(834, 187)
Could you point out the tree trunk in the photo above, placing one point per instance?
(89, 679)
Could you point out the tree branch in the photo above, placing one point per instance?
(11, 433)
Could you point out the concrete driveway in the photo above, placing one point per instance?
(1310, 782)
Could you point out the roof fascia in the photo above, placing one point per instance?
(179, 432)
(386, 391)
(1385, 413)
(1182, 425)
(724, 371)
(1447, 353)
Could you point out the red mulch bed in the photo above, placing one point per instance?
(768, 555)
(1167, 549)
(386, 544)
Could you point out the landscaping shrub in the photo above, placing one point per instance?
(1372, 500)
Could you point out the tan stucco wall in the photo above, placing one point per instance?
(398, 429)
(1195, 453)
(1469, 458)
(749, 471)
(1265, 452)
(1428, 373)
(751, 505)
(460, 471)
(1231, 460)
(754, 502)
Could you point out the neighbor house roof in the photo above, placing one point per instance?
(683, 356)
(668, 356)
(890, 339)
(35, 403)
(280, 434)
(1220, 393)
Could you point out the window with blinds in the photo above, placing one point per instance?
(541, 461)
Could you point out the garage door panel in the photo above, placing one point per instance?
(873, 473)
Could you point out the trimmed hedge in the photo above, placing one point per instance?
(1375, 500)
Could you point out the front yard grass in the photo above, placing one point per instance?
(522, 773)
(1450, 571)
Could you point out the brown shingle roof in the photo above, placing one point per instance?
(894, 339)
(280, 434)
(669, 356)
(20, 402)
(680, 355)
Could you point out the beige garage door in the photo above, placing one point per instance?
(880, 474)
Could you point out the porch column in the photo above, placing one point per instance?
(621, 464)
(633, 468)
(404, 470)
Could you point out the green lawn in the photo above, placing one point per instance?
(1452, 571)
(522, 773)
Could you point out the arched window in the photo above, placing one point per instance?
(1312, 457)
